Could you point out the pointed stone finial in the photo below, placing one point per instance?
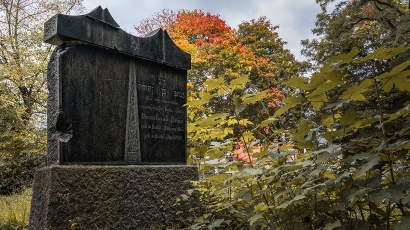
(103, 16)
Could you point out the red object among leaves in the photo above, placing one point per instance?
(242, 155)
(275, 97)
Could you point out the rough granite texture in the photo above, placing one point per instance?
(110, 197)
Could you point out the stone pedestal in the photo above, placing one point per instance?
(110, 197)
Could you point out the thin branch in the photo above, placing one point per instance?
(389, 5)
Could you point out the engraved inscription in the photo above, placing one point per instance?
(162, 116)
(179, 94)
(146, 89)
(149, 90)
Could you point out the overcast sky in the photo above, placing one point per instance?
(295, 17)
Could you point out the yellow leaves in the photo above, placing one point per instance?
(214, 83)
(253, 98)
(329, 174)
(267, 122)
(190, 85)
(327, 120)
(205, 97)
(239, 82)
(355, 92)
(248, 135)
(289, 103)
(383, 53)
(344, 58)
(298, 82)
(245, 122)
(317, 100)
(349, 117)
(211, 120)
(400, 80)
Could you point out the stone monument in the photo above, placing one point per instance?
(116, 128)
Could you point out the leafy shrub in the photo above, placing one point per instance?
(315, 174)
(17, 172)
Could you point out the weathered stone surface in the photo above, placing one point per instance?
(94, 118)
(99, 28)
(110, 197)
(114, 98)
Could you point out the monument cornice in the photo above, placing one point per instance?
(100, 29)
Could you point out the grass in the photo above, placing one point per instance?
(15, 210)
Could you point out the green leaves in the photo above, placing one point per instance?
(267, 121)
(239, 82)
(214, 83)
(253, 98)
(372, 161)
(356, 196)
(403, 224)
(393, 192)
(289, 103)
(383, 53)
(330, 226)
(344, 58)
(312, 166)
(355, 92)
(349, 117)
(255, 218)
(298, 82)
(204, 97)
(211, 120)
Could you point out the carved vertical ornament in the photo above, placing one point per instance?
(132, 143)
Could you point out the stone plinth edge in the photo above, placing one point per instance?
(110, 197)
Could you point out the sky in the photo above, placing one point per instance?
(295, 18)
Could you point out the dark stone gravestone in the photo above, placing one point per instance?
(114, 99)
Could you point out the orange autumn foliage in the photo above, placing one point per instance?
(216, 49)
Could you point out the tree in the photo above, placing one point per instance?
(364, 24)
(23, 89)
(229, 67)
(306, 181)
(341, 157)
(222, 53)
(279, 64)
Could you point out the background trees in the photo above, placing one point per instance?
(328, 151)
(334, 154)
(23, 92)
(366, 25)
(252, 60)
